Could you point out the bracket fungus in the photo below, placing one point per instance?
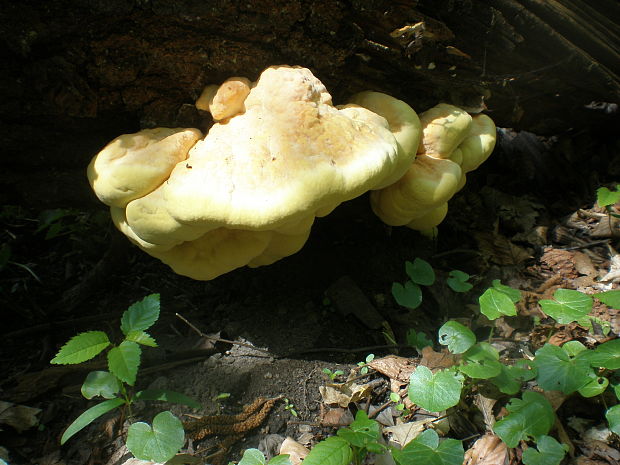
(453, 144)
(279, 155)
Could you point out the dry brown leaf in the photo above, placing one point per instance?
(19, 417)
(296, 452)
(437, 360)
(601, 450)
(337, 416)
(401, 434)
(485, 405)
(343, 394)
(488, 450)
(500, 250)
(394, 367)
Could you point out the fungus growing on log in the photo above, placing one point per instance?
(248, 192)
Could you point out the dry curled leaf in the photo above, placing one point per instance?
(296, 452)
(344, 394)
(19, 417)
(488, 450)
(394, 367)
(437, 360)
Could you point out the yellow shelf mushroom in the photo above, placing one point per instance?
(279, 155)
(453, 144)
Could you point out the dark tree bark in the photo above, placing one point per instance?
(77, 73)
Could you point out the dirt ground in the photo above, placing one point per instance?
(317, 309)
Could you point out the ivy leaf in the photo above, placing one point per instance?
(512, 293)
(605, 197)
(482, 362)
(81, 348)
(333, 451)
(529, 417)
(548, 452)
(141, 338)
(558, 371)
(141, 315)
(607, 355)
(609, 298)
(456, 336)
(569, 305)
(457, 281)
(613, 418)
(158, 443)
(435, 392)
(427, 450)
(124, 360)
(100, 383)
(409, 295)
(494, 303)
(420, 272)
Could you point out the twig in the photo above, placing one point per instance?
(218, 339)
(585, 246)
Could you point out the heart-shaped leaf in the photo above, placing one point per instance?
(420, 272)
(457, 281)
(101, 383)
(435, 392)
(409, 295)
(494, 303)
(456, 336)
(427, 450)
(158, 443)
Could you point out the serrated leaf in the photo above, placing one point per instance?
(494, 303)
(613, 418)
(456, 336)
(141, 338)
(435, 392)
(457, 281)
(548, 452)
(252, 457)
(558, 371)
(610, 298)
(333, 451)
(164, 395)
(569, 305)
(481, 362)
(88, 416)
(81, 348)
(420, 272)
(100, 383)
(529, 417)
(409, 295)
(158, 443)
(427, 450)
(512, 293)
(605, 197)
(141, 315)
(124, 360)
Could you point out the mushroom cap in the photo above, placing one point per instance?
(444, 127)
(479, 144)
(226, 100)
(429, 220)
(132, 165)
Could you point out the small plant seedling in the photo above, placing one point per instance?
(157, 443)
(399, 405)
(332, 375)
(458, 281)
(420, 273)
(364, 365)
(607, 198)
(290, 407)
(256, 457)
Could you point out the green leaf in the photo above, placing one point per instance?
(81, 348)
(595, 386)
(253, 457)
(363, 432)
(124, 360)
(101, 383)
(511, 377)
(529, 418)
(167, 396)
(605, 197)
(568, 306)
(420, 272)
(427, 450)
(457, 281)
(573, 348)
(88, 416)
(482, 362)
(333, 451)
(548, 452)
(456, 336)
(435, 392)
(494, 303)
(512, 293)
(158, 443)
(141, 338)
(418, 340)
(280, 460)
(610, 298)
(613, 418)
(409, 295)
(141, 315)
(607, 355)
(558, 371)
